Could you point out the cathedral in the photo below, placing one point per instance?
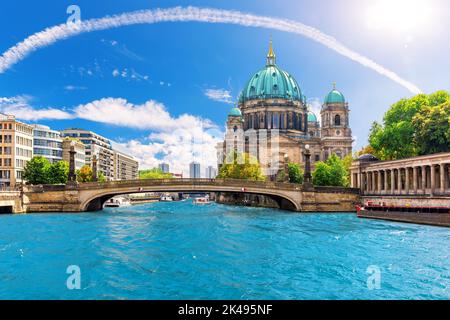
(273, 122)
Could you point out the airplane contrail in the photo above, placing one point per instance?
(185, 14)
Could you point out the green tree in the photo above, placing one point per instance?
(432, 129)
(241, 166)
(347, 162)
(101, 177)
(331, 173)
(396, 138)
(321, 174)
(58, 173)
(37, 171)
(84, 174)
(295, 173)
(154, 173)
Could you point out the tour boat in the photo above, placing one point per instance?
(166, 199)
(430, 215)
(117, 202)
(202, 200)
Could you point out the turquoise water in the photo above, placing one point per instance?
(183, 251)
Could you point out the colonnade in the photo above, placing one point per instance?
(402, 179)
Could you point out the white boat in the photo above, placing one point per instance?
(166, 199)
(117, 202)
(202, 200)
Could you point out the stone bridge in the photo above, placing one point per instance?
(91, 196)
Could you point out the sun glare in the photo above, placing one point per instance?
(398, 15)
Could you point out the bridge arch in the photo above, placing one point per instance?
(93, 199)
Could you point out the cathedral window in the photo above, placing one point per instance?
(337, 120)
(300, 120)
(275, 119)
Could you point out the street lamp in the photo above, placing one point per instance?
(307, 177)
(286, 167)
(72, 152)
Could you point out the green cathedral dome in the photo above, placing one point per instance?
(235, 112)
(335, 96)
(271, 82)
(312, 117)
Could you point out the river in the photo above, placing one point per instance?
(184, 251)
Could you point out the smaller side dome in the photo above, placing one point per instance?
(235, 112)
(368, 157)
(335, 96)
(312, 117)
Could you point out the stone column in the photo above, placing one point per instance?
(415, 179)
(442, 177)
(368, 182)
(392, 181)
(379, 181)
(307, 177)
(72, 174)
(424, 179)
(352, 179)
(362, 185)
(94, 168)
(433, 179)
(385, 189)
(407, 180)
(372, 180)
(399, 181)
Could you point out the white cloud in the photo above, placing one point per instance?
(63, 31)
(315, 105)
(115, 73)
(177, 148)
(150, 115)
(220, 95)
(20, 107)
(74, 88)
(175, 140)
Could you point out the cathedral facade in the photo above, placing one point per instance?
(273, 123)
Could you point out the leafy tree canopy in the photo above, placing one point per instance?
(154, 173)
(412, 127)
(331, 173)
(295, 173)
(40, 171)
(241, 166)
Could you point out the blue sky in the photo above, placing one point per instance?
(158, 76)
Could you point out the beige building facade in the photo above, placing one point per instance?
(16, 149)
(80, 152)
(125, 167)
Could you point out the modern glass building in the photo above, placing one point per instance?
(194, 170)
(47, 143)
(164, 167)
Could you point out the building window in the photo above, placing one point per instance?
(337, 120)
(317, 157)
(275, 121)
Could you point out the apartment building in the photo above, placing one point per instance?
(97, 145)
(47, 143)
(125, 167)
(16, 148)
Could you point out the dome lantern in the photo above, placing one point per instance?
(271, 57)
(271, 82)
